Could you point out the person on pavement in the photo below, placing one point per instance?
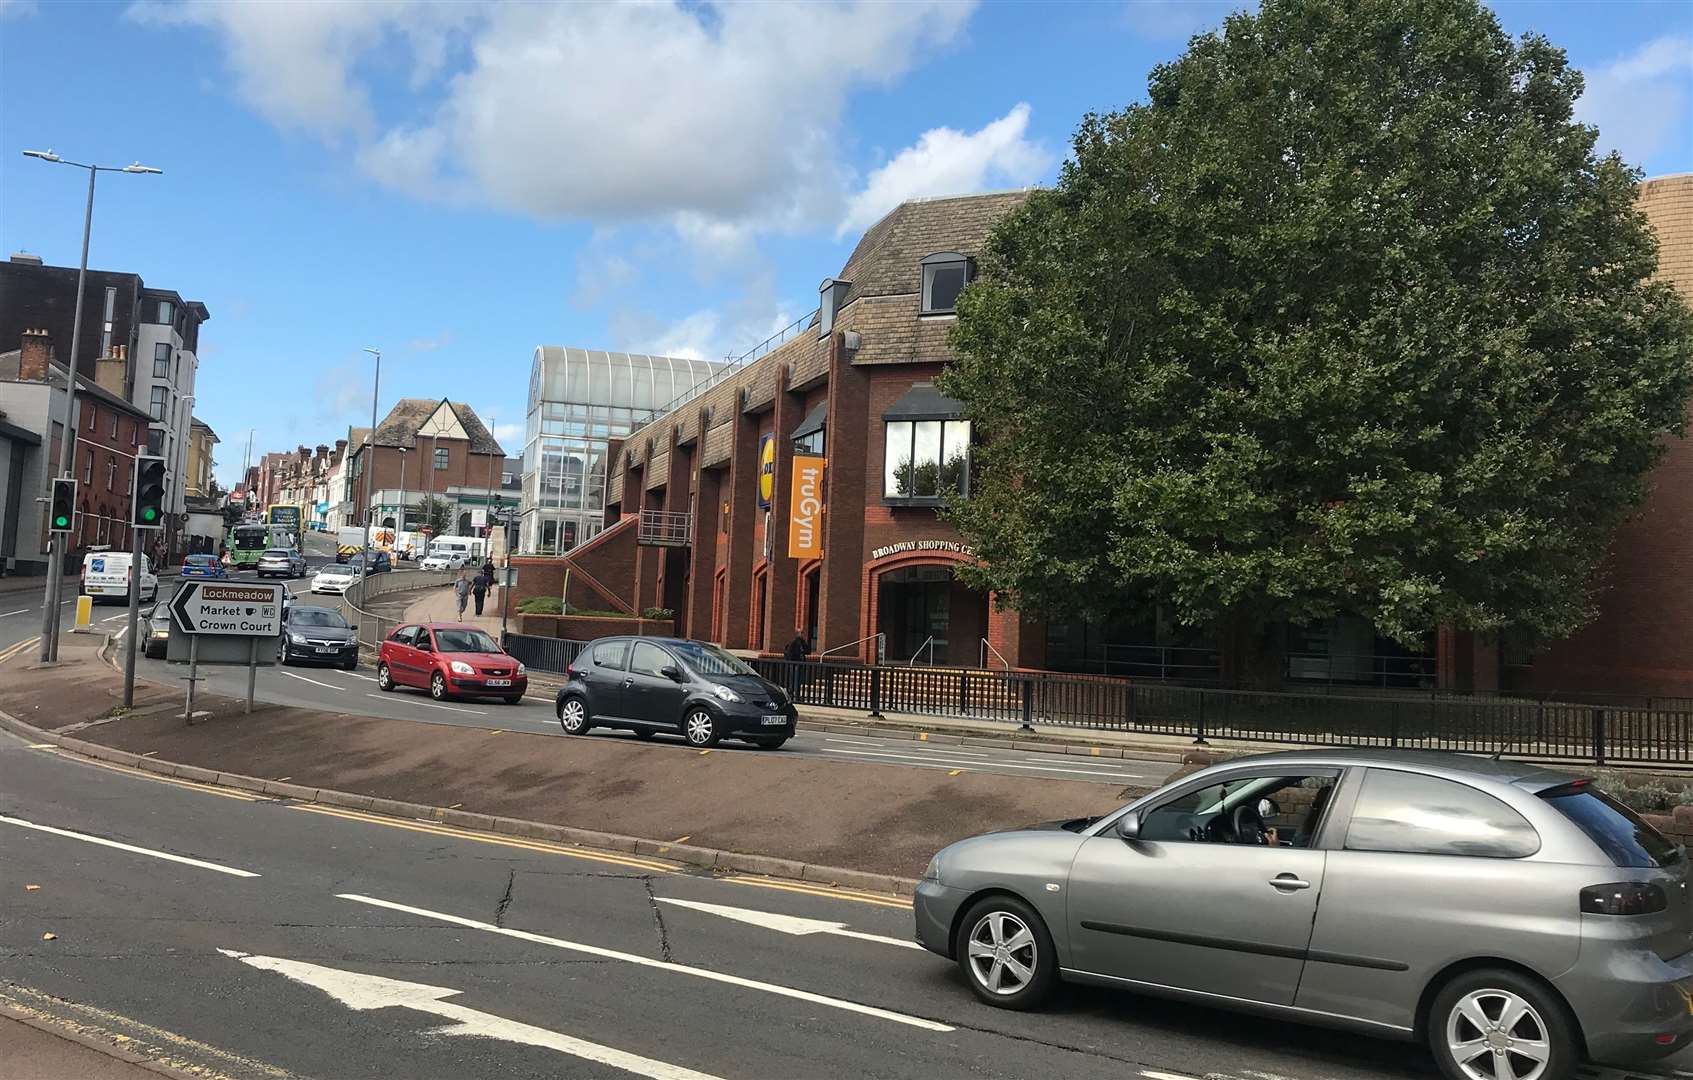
(461, 590)
(479, 589)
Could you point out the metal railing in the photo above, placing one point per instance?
(665, 528)
(929, 644)
(373, 627)
(543, 653)
(987, 647)
(729, 370)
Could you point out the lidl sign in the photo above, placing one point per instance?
(766, 470)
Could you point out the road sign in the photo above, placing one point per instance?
(241, 609)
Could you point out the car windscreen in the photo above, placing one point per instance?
(1617, 830)
(464, 641)
(709, 660)
(315, 617)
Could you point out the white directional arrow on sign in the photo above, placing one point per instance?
(363, 992)
(787, 924)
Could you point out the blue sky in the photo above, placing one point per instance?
(458, 183)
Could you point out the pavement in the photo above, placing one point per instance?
(252, 937)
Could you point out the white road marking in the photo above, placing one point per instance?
(356, 675)
(364, 992)
(122, 630)
(1116, 774)
(314, 682)
(642, 961)
(20, 611)
(103, 842)
(900, 745)
(432, 705)
(115, 618)
(787, 924)
(1154, 1074)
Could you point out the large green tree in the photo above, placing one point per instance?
(1349, 317)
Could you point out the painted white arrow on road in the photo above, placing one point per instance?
(363, 992)
(787, 924)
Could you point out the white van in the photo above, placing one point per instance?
(471, 547)
(105, 576)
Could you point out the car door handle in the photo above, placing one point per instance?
(1289, 883)
(628, 683)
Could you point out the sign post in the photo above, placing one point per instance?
(234, 619)
(146, 514)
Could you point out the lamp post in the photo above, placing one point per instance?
(400, 526)
(55, 557)
(369, 466)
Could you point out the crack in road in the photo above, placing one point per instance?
(658, 921)
(505, 901)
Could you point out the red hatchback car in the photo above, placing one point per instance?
(448, 659)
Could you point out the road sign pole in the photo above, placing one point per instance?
(252, 671)
(134, 610)
(193, 675)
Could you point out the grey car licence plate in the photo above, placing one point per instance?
(325, 648)
(772, 721)
(499, 682)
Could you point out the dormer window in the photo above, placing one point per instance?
(830, 296)
(945, 274)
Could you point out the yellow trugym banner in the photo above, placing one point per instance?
(805, 523)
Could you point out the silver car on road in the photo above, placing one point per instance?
(1518, 920)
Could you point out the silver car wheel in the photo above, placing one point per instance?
(1003, 954)
(699, 728)
(1497, 1035)
(572, 717)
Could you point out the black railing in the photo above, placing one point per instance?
(542, 653)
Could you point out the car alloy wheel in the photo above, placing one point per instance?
(1495, 1034)
(573, 716)
(438, 686)
(700, 728)
(1006, 953)
(282, 653)
(384, 677)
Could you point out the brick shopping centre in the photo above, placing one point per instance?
(796, 492)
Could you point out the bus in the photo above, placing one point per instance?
(286, 518)
(246, 542)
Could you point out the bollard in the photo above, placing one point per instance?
(84, 615)
(876, 692)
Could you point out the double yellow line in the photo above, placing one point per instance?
(826, 891)
(20, 647)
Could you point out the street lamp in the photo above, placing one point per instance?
(369, 466)
(50, 597)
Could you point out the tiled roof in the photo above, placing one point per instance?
(886, 261)
(399, 427)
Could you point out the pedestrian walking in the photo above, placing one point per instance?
(797, 649)
(461, 590)
(479, 589)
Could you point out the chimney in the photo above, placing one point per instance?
(111, 372)
(322, 456)
(35, 353)
(25, 258)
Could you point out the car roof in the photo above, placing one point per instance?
(450, 626)
(1434, 762)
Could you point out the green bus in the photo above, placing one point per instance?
(246, 542)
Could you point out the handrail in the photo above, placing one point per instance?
(987, 647)
(876, 637)
(928, 643)
(780, 337)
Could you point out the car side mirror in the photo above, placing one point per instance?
(671, 672)
(1128, 826)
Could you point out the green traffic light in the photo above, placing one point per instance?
(149, 513)
(61, 522)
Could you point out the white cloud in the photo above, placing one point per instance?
(948, 162)
(430, 344)
(702, 335)
(10, 9)
(1639, 102)
(509, 436)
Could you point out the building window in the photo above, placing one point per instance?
(93, 412)
(167, 313)
(106, 321)
(927, 459)
(115, 421)
(111, 474)
(830, 296)
(507, 479)
(160, 401)
(441, 456)
(945, 274)
(88, 469)
(161, 360)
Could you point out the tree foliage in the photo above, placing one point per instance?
(435, 513)
(1347, 318)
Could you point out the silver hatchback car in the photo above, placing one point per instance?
(1517, 919)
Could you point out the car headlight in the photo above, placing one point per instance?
(461, 668)
(933, 871)
(521, 670)
(298, 639)
(724, 693)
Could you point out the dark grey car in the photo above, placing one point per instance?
(1515, 918)
(317, 635)
(694, 689)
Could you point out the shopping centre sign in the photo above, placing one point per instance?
(904, 546)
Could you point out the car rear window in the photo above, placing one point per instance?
(1619, 831)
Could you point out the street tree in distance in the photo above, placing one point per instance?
(435, 513)
(1347, 318)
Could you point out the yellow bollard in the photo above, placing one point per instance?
(84, 615)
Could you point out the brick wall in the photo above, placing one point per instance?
(1678, 826)
(589, 627)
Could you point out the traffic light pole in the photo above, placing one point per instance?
(129, 638)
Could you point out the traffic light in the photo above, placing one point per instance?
(147, 509)
(64, 505)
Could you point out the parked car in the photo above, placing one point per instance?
(157, 641)
(444, 560)
(203, 566)
(449, 659)
(691, 688)
(335, 578)
(1507, 914)
(374, 562)
(317, 635)
(282, 562)
(105, 576)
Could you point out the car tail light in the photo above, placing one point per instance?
(1623, 898)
